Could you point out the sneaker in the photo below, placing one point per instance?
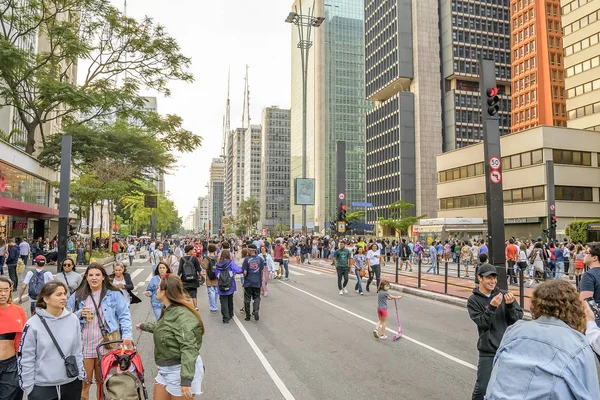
(466, 276)
(341, 292)
(345, 291)
(214, 311)
(361, 293)
(375, 334)
(367, 289)
(225, 321)
(383, 337)
(256, 318)
(247, 318)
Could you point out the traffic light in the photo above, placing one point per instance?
(546, 233)
(343, 212)
(493, 101)
(553, 222)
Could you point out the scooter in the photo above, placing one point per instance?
(399, 334)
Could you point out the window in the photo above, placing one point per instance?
(571, 157)
(517, 196)
(527, 194)
(538, 193)
(573, 193)
(536, 156)
(507, 196)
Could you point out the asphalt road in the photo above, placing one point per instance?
(312, 343)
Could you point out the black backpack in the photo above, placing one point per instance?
(225, 282)
(210, 270)
(35, 284)
(189, 271)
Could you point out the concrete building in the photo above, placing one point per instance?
(335, 108)
(470, 30)
(274, 197)
(538, 85)
(581, 27)
(203, 214)
(216, 187)
(252, 159)
(237, 169)
(525, 176)
(404, 128)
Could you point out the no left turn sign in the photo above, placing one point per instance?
(495, 176)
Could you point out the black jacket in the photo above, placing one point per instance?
(128, 286)
(196, 281)
(491, 321)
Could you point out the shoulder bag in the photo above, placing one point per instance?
(70, 361)
(106, 336)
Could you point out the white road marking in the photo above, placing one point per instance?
(428, 347)
(310, 271)
(136, 273)
(149, 277)
(276, 379)
(295, 273)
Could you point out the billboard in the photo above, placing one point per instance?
(304, 191)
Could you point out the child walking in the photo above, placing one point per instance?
(382, 308)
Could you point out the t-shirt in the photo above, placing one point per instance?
(73, 280)
(511, 252)
(590, 282)
(483, 249)
(359, 260)
(382, 298)
(342, 256)
(373, 257)
(13, 320)
(253, 267)
(131, 250)
(558, 254)
(279, 252)
(124, 291)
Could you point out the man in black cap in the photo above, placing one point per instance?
(493, 311)
(253, 267)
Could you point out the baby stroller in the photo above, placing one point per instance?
(121, 374)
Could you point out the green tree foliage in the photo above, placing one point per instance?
(168, 220)
(355, 216)
(577, 230)
(280, 228)
(249, 212)
(400, 219)
(115, 56)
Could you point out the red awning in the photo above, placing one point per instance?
(28, 210)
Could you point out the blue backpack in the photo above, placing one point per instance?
(35, 284)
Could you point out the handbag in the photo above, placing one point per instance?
(106, 336)
(20, 265)
(362, 272)
(71, 361)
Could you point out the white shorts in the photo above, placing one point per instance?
(170, 378)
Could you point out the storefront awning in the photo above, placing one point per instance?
(27, 210)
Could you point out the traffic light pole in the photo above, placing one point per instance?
(341, 183)
(493, 168)
(551, 200)
(64, 200)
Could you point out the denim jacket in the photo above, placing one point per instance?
(543, 359)
(153, 288)
(115, 309)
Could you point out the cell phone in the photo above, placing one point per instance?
(594, 306)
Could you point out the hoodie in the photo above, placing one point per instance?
(492, 321)
(39, 362)
(233, 269)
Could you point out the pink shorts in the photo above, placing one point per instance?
(382, 312)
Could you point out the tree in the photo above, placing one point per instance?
(355, 216)
(280, 228)
(577, 230)
(168, 220)
(115, 55)
(400, 218)
(249, 212)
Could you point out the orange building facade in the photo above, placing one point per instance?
(538, 76)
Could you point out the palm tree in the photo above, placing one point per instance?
(249, 212)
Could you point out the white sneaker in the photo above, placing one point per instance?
(383, 337)
(341, 292)
(345, 290)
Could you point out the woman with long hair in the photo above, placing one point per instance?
(160, 271)
(12, 321)
(68, 276)
(549, 357)
(121, 279)
(104, 315)
(177, 340)
(225, 265)
(50, 335)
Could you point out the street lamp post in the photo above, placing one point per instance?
(304, 23)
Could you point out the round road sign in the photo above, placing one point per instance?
(495, 176)
(341, 196)
(552, 207)
(494, 162)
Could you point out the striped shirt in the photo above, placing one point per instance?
(91, 334)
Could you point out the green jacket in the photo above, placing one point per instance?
(177, 340)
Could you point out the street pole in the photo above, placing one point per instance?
(65, 194)
(303, 21)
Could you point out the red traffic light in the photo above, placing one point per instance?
(554, 217)
(343, 207)
(492, 92)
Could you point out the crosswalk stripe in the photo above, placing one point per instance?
(310, 271)
(297, 273)
(136, 273)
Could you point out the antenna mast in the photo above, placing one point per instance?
(227, 118)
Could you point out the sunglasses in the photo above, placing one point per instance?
(67, 265)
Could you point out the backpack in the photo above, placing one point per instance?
(407, 249)
(35, 284)
(210, 270)
(189, 271)
(225, 282)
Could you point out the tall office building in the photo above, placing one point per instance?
(252, 154)
(275, 168)
(335, 108)
(403, 130)
(538, 85)
(203, 213)
(470, 30)
(581, 27)
(237, 169)
(216, 194)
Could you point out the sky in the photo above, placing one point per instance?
(218, 35)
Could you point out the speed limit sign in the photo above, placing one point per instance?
(494, 163)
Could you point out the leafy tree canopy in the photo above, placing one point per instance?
(401, 218)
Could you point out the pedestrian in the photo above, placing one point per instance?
(511, 253)
(252, 268)
(286, 261)
(579, 257)
(341, 261)
(12, 321)
(405, 255)
(537, 258)
(151, 291)
(3, 252)
(559, 260)
(373, 259)
(115, 249)
(383, 296)
(68, 276)
(433, 256)
(131, 252)
(466, 257)
(157, 255)
(226, 287)
(493, 310)
(190, 271)
(359, 261)
(278, 258)
(523, 259)
(34, 280)
(268, 263)
(11, 263)
(590, 281)
(177, 337)
(50, 335)
(104, 316)
(209, 263)
(121, 279)
(24, 249)
(549, 357)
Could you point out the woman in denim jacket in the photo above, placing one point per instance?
(97, 303)
(549, 357)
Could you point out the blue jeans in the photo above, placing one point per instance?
(285, 266)
(358, 285)
(560, 269)
(433, 265)
(212, 297)
(157, 310)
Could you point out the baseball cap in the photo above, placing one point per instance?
(487, 270)
(40, 258)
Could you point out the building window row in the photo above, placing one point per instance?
(469, 51)
(478, 24)
(583, 66)
(582, 22)
(471, 200)
(526, 115)
(522, 3)
(472, 68)
(585, 110)
(467, 171)
(524, 159)
(573, 193)
(573, 5)
(525, 99)
(582, 44)
(521, 195)
(525, 82)
(523, 50)
(488, 39)
(555, 24)
(571, 157)
(482, 10)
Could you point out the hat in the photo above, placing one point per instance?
(40, 258)
(252, 246)
(487, 270)
(539, 239)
